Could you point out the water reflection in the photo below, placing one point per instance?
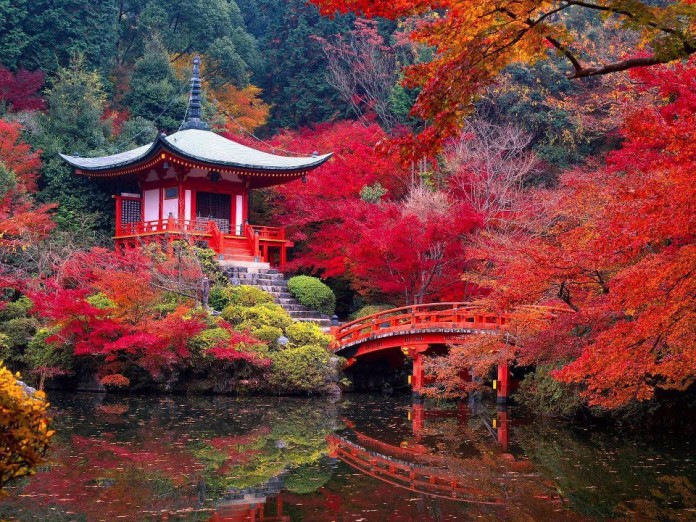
(365, 458)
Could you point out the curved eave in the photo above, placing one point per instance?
(128, 163)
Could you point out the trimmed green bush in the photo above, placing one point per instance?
(302, 334)
(300, 370)
(222, 296)
(313, 294)
(251, 318)
(270, 334)
(369, 310)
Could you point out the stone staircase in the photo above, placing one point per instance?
(273, 282)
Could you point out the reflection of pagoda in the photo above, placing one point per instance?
(249, 504)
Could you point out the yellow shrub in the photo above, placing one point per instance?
(24, 433)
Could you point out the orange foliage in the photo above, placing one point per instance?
(475, 40)
(21, 222)
(241, 109)
(617, 243)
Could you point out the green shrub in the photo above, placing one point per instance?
(207, 257)
(222, 296)
(313, 294)
(218, 299)
(267, 333)
(369, 310)
(16, 309)
(302, 334)
(100, 301)
(208, 339)
(46, 359)
(266, 314)
(19, 331)
(543, 394)
(6, 353)
(300, 370)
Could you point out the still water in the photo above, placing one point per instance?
(363, 458)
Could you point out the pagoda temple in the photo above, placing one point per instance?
(194, 185)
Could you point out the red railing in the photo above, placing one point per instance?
(216, 236)
(274, 233)
(172, 225)
(432, 315)
(252, 238)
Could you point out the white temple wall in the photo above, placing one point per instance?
(239, 214)
(170, 206)
(187, 204)
(151, 201)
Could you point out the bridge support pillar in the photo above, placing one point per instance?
(417, 379)
(503, 384)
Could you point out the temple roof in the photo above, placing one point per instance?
(202, 146)
(195, 144)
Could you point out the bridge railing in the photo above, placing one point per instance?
(432, 315)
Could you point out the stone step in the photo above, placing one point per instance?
(272, 289)
(288, 307)
(324, 323)
(253, 265)
(309, 314)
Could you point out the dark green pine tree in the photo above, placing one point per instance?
(155, 93)
(50, 32)
(214, 28)
(13, 38)
(294, 81)
(74, 124)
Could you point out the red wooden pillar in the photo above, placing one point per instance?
(283, 255)
(418, 373)
(417, 379)
(118, 215)
(503, 384)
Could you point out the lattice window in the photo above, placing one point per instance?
(130, 211)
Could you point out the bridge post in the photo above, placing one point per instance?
(503, 384)
(418, 373)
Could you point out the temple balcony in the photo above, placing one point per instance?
(241, 244)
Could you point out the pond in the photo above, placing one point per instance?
(362, 458)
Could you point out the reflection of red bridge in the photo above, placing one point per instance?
(429, 480)
(415, 330)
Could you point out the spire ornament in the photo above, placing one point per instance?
(194, 117)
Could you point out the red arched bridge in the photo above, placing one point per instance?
(417, 329)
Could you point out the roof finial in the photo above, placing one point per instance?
(193, 119)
